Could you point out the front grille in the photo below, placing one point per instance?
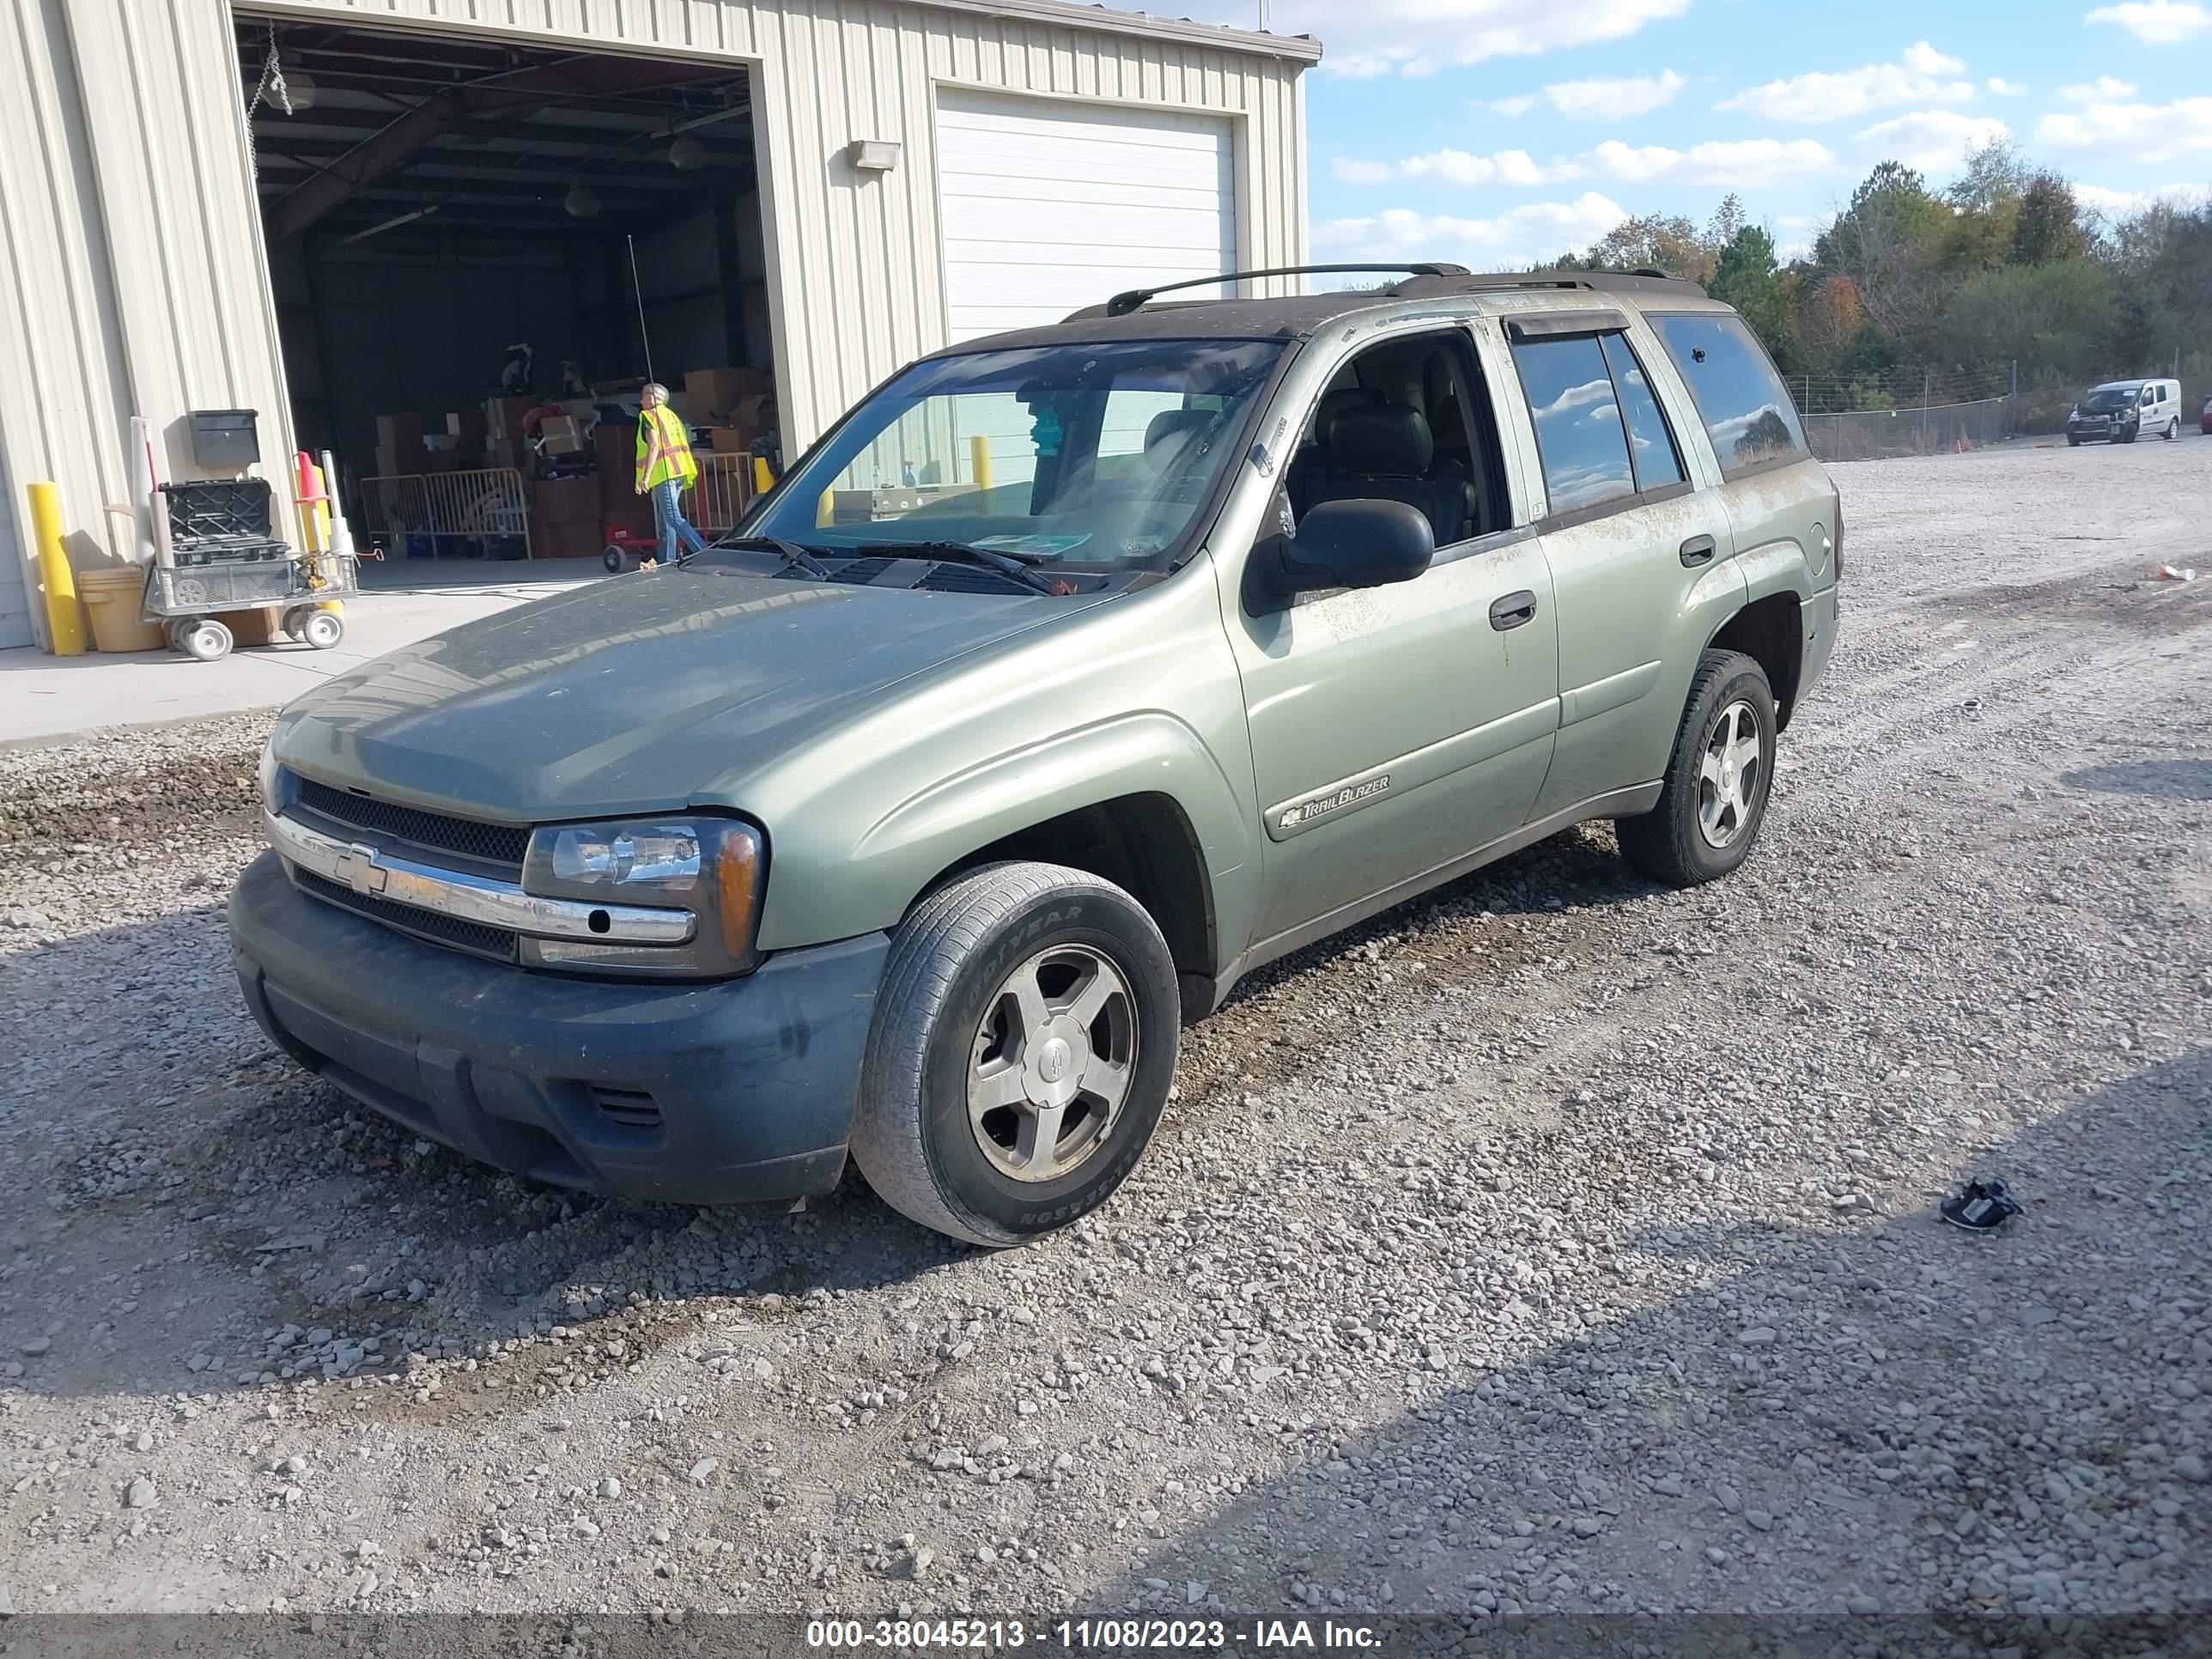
(492, 843)
(473, 937)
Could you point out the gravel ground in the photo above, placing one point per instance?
(1556, 1244)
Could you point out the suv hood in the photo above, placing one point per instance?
(631, 695)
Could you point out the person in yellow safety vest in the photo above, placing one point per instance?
(665, 469)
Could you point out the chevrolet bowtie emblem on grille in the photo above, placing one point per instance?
(357, 868)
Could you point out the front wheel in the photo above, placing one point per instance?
(322, 629)
(1717, 781)
(205, 641)
(1023, 1044)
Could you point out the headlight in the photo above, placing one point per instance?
(272, 779)
(713, 867)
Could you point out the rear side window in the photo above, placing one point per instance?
(1579, 431)
(1741, 399)
(1657, 463)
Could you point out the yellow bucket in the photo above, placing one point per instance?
(113, 595)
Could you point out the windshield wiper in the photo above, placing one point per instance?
(1021, 566)
(794, 556)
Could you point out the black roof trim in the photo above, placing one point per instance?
(1420, 282)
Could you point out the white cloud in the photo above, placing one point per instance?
(1921, 77)
(1606, 100)
(1537, 230)
(2121, 203)
(1412, 37)
(2003, 89)
(1932, 140)
(2156, 22)
(1736, 162)
(1515, 106)
(2102, 90)
(2142, 132)
(1457, 166)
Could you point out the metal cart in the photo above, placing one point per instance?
(187, 600)
(222, 556)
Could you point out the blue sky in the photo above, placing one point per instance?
(1493, 132)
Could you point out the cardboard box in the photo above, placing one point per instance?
(614, 444)
(712, 395)
(561, 434)
(757, 411)
(567, 541)
(503, 415)
(565, 500)
(400, 431)
(392, 462)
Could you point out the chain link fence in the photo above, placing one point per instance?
(1940, 429)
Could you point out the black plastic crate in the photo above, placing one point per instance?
(225, 437)
(229, 551)
(218, 509)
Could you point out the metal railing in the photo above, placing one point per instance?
(1869, 434)
(443, 504)
(720, 493)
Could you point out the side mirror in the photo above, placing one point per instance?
(1361, 544)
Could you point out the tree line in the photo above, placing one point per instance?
(2003, 265)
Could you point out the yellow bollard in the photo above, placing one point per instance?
(826, 511)
(979, 461)
(762, 476)
(64, 616)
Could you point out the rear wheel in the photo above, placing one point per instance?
(1024, 1042)
(205, 641)
(1713, 799)
(2174, 429)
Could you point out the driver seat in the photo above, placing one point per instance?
(1384, 451)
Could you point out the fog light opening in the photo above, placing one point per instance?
(599, 921)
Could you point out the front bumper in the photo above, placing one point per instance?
(735, 1091)
(2107, 431)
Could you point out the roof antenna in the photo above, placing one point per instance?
(1263, 16)
(637, 289)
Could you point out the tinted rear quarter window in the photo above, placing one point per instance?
(1746, 408)
(1578, 432)
(1658, 465)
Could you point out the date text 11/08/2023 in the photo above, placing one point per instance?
(1086, 1635)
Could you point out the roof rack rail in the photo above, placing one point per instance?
(1641, 280)
(1122, 304)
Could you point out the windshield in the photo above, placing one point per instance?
(1087, 457)
(2106, 399)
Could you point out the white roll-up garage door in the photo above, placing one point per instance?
(1050, 206)
(15, 599)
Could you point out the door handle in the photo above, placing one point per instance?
(1513, 610)
(1697, 550)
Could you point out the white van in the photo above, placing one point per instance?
(2120, 411)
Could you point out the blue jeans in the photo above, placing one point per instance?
(668, 514)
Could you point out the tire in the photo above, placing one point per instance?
(1707, 821)
(948, 1021)
(295, 620)
(2173, 430)
(2073, 442)
(322, 629)
(613, 558)
(2130, 439)
(205, 641)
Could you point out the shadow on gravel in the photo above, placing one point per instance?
(1851, 1413)
(1581, 866)
(2161, 780)
(180, 1193)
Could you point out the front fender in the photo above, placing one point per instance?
(861, 823)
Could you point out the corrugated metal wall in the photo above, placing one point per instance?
(131, 268)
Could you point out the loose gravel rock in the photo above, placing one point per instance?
(1553, 1243)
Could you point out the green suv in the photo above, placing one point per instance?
(1076, 673)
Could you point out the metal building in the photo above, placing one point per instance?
(904, 173)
